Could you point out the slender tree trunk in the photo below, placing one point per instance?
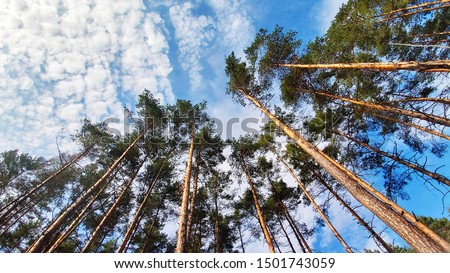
(430, 66)
(111, 210)
(411, 7)
(14, 204)
(274, 240)
(240, 238)
(403, 15)
(439, 134)
(301, 240)
(194, 196)
(43, 240)
(354, 214)
(150, 230)
(433, 175)
(416, 234)
(313, 202)
(261, 219)
(413, 99)
(427, 117)
(285, 234)
(217, 242)
(138, 214)
(184, 210)
(77, 220)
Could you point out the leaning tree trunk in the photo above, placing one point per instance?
(389, 13)
(138, 214)
(403, 15)
(300, 238)
(439, 134)
(354, 214)
(14, 204)
(419, 169)
(430, 66)
(111, 210)
(45, 237)
(313, 202)
(261, 219)
(379, 107)
(184, 210)
(80, 216)
(285, 234)
(416, 234)
(194, 196)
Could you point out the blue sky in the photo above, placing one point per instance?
(62, 61)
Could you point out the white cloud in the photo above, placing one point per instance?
(193, 33)
(61, 61)
(326, 10)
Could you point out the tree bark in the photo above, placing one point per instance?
(430, 66)
(111, 210)
(184, 210)
(14, 204)
(138, 214)
(427, 117)
(43, 240)
(412, 99)
(313, 202)
(416, 234)
(412, 7)
(261, 219)
(354, 214)
(194, 196)
(433, 175)
(272, 236)
(439, 134)
(301, 240)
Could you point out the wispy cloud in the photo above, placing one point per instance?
(326, 10)
(62, 62)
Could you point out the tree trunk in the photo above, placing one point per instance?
(285, 234)
(427, 117)
(14, 204)
(430, 66)
(111, 210)
(184, 210)
(217, 242)
(439, 134)
(433, 175)
(301, 240)
(313, 202)
(77, 220)
(272, 236)
(403, 15)
(150, 229)
(43, 240)
(240, 238)
(353, 212)
(416, 234)
(413, 99)
(193, 197)
(261, 219)
(138, 214)
(412, 7)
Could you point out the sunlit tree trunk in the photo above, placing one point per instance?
(44, 238)
(111, 210)
(430, 66)
(419, 169)
(354, 214)
(138, 215)
(427, 117)
(261, 219)
(426, 4)
(417, 235)
(184, 210)
(14, 204)
(194, 195)
(313, 202)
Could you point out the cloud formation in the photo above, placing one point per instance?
(61, 61)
